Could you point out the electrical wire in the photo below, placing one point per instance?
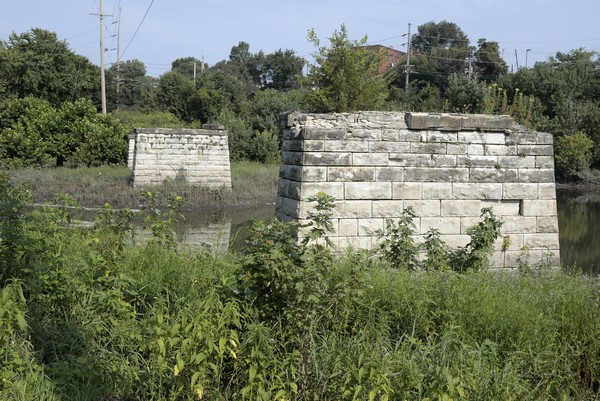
(138, 28)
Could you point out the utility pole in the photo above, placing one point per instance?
(407, 62)
(526, 54)
(102, 69)
(517, 59)
(119, 58)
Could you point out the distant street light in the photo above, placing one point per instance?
(526, 54)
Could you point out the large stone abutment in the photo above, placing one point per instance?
(447, 167)
(198, 156)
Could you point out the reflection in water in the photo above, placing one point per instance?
(579, 227)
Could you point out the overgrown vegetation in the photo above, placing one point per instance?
(45, 119)
(88, 314)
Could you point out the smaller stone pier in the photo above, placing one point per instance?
(198, 156)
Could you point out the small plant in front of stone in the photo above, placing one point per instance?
(397, 242)
(162, 225)
(475, 255)
(436, 252)
(320, 218)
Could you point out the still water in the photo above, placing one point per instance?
(578, 219)
(579, 229)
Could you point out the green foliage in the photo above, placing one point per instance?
(32, 132)
(37, 64)
(465, 95)
(94, 316)
(397, 242)
(399, 249)
(162, 225)
(573, 153)
(25, 124)
(474, 256)
(345, 74)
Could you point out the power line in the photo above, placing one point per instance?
(138, 28)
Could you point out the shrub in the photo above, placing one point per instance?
(573, 153)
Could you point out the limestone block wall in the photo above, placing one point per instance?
(200, 156)
(446, 167)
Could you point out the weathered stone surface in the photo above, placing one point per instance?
(351, 174)
(446, 167)
(200, 156)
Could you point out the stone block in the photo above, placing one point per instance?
(547, 241)
(477, 149)
(444, 161)
(544, 162)
(544, 138)
(547, 191)
(387, 208)
(445, 122)
(445, 225)
(350, 174)
(314, 174)
(516, 162)
(516, 224)
(288, 206)
(443, 137)
(295, 158)
(503, 207)
(370, 227)
(456, 148)
(370, 159)
(492, 175)
(437, 190)
(456, 241)
(395, 147)
(460, 207)
(535, 150)
(346, 146)
(477, 161)
(468, 222)
(519, 191)
(371, 134)
(478, 137)
(424, 208)
(539, 207)
(347, 228)
(436, 174)
(536, 175)
(335, 189)
(407, 190)
(470, 190)
(389, 174)
(547, 224)
(353, 209)
(368, 190)
(500, 150)
(327, 159)
(317, 133)
(428, 148)
(411, 160)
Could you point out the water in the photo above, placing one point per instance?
(579, 229)
(578, 220)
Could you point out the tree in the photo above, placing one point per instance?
(24, 124)
(442, 49)
(37, 64)
(187, 66)
(488, 64)
(345, 74)
(174, 93)
(282, 70)
(130, 87)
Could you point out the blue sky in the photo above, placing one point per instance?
(209, 28)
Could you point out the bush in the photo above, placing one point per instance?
(573, 153)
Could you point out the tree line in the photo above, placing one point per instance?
(247, 91)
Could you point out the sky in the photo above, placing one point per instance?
(158, 32)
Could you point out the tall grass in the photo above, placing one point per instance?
(252, 184)
(89, 315)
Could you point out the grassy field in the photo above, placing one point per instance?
(89, 315)
(252, 184)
